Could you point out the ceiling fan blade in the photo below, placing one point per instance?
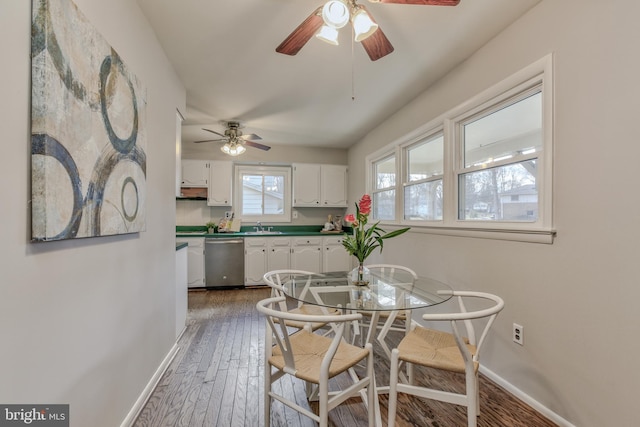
(210, 140)
(301, 35)
(423, 2)
(377, 45)
(213, 131)
(250, 136)
(257, 145)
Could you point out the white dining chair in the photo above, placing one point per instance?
(276, 279)
(455, 351)
(313, 358)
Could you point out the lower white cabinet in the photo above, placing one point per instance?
(334, 256)
(310, 253)
(278, 253)
(306, 253)
(195, 261)
(255, 260)
(182, 277)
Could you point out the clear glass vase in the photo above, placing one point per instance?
(360, 275)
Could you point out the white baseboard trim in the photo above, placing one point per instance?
(548, 413)
(146, 393)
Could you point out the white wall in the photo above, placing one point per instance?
(86, 322)
(577, 298)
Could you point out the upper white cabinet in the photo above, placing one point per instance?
(220, 183)
(317, 185)
(333, 185)
(195, 173)
(306, 185)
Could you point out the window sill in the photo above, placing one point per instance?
(521, 235)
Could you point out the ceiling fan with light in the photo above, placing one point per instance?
(234, 140)
(327, 19)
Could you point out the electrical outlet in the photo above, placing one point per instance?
(518, 334)
(295, 214)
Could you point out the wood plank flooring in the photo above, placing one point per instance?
(216, 379)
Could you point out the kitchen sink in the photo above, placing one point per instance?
(262, 232)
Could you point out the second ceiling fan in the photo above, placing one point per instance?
(325, 21)
(234, 140)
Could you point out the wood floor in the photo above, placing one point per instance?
(216, 379)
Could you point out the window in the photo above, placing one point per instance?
(263, 193)
(482, 169)
(501, 146)
(424, 162)
(384, 189)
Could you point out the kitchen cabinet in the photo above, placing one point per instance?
(333, 186)
(306, 253)
(334, 256)
(306, 185)
(264, 254)
(255, 260)
(182, 278)
(195, 261)
(220, 183)
(195, 173)
(278, 253)
(316, 185)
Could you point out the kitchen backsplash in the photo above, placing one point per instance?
(196, 212)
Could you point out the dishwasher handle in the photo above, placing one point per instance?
(222, 241)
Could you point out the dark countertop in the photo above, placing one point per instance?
(246, 231)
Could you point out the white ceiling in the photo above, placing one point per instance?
(224, 53)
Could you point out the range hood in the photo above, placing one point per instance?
(193, 193)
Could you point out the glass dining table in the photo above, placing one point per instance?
(388, 294)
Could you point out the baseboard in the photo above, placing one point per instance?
(146, 393)
(546, 412)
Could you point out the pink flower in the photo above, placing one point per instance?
(349, 218)
(365, 205)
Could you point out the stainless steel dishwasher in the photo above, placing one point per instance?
(224, 263)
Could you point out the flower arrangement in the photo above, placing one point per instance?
(364, 240)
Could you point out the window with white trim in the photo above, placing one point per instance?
(383, 195)
(424, 166)
(263, 193)
(498, 169)
(482, 169)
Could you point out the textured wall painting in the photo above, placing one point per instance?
(88, 138)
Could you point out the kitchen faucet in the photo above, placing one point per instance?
(259, 226)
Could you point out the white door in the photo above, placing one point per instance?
(306, 184)
(336, 258)
(195, 173)
(308, 258)
(195, 262)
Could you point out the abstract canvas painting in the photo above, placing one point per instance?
(88, 137)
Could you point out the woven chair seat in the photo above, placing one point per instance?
(310, 349)
(309, 309)
(402, 315)
(435, 349)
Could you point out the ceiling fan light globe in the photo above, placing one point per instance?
(328, 35)
(363, 25)
(335, 13)
(232, 150)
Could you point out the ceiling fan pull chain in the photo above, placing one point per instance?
(353, 66)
